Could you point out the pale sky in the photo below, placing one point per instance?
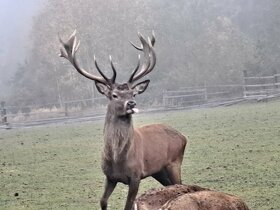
(15, 24)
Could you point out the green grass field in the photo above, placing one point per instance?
(233, 149)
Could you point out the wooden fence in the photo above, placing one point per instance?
(261, 87)
(197, 96)
(55, 111)
(254, 88)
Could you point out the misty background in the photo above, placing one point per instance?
(198, 42)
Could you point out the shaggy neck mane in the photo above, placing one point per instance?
(118, 135)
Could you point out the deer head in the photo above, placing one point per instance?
(121, 96)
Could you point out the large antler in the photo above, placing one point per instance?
(149, 55)
(68, 51)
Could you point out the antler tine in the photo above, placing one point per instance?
(153, 40)
(150, 57)
(114, 70)
(135, 70)
(138, 48)
(98, 69)
(68, 51)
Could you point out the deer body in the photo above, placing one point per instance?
(132, 154)
(137, 156)
(156, 198)
(205, 200)
(191, 197)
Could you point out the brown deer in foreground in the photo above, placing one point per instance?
(132, 154)
(154, 199)
(191, 197)
(205, 200)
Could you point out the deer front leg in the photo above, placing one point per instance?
(132, 192)
(109, 188)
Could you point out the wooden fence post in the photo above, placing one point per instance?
(4, 119)
(205, 92)
(164, 99)
(245, 74)
(66, 109)
(276, 80)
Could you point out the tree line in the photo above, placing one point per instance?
(197, 42)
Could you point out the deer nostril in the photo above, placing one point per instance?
(131, 104)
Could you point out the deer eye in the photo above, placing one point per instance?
(114, 95)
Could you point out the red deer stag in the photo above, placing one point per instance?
(132, 154)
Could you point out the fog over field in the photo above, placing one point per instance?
(197, 42)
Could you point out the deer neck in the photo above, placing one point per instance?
(118, 136)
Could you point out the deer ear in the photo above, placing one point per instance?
(140, 87)
(102, 88)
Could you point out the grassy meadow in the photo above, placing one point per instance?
(231, 149)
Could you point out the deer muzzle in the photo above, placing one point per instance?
(131, 107)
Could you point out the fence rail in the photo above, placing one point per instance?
(254, 87)
(261, 87)
(190, 96)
